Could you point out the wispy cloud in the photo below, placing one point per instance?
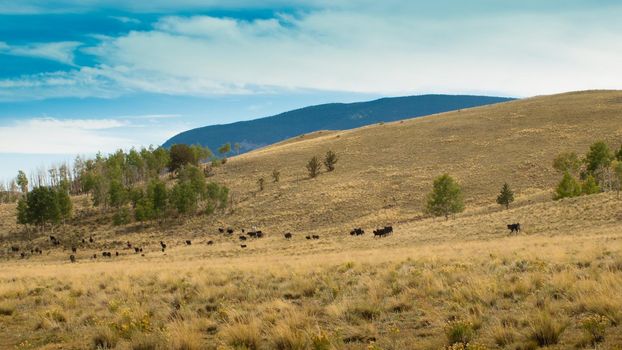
(124, 19)
(393, 47)
(56, 51)
(56, 136)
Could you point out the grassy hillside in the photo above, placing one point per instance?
(335, 116)
(431, 284)
(385, 170)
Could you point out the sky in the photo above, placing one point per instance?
(81, 76)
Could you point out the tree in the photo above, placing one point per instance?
(64, 200)
(42, 207)
(313, 167)
(261, 182)
(180, 155)
(158, 196)
(590, 186)
(224, 149)
(506, 196)
(330, 160)
(218, 194)
(22, 181)
(445, 198)
(117, 195)
(195, 177)
(276, 175)
(201, 153)
(567, 162)
(599, 156)
(184, 198)
(236, 147)
(22, 212)
(567, 187)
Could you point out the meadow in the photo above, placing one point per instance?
(462, 283)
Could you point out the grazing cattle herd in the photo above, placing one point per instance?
(384, 231)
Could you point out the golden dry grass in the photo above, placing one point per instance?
(432, 283)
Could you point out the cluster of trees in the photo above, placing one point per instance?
(128, 183)
(314, 166)
(598, 171)
(45, 206)
(446, 197)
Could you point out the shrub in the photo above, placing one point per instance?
(121, 217)
(545, 331)
(595, 327)
(567, 187)
(590, 186)
(599, 156)
(6, 309)
(313, 167)
(104, 338)
(459, 331)
(330, 160)
(243, 335)
(567, 162)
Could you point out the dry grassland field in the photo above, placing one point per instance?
(462, 283)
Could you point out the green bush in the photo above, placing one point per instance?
(567, 187)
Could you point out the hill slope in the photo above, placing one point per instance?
(335, 116)
(386, 170)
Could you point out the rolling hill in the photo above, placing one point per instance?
(433, 284)
(335, 116)
(385, 171)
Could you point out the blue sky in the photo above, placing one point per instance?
(80, 76)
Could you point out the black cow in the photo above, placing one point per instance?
(221, 230)
(357, 232)
(383, 231)
(163, 245)
(136, 250)
(15, 249)
(116, 253)
(514, 228)
(129, 245)
(74, 249)
(230, 231)
(72, 258)
(210, 242)
(315, 237)
(242, 238)
(91, 239)
(308, 237)
(288, 235)
(188, 242)
(243, 245)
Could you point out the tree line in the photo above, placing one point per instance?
(128, 184)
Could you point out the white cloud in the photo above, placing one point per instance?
(55, 136)
(56, 51)
(124, 19)
(83, 124)
(373, 48)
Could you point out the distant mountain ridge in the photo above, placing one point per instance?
(261, 132)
